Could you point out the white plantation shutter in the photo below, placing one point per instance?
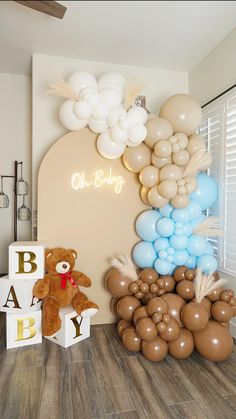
(218, 129)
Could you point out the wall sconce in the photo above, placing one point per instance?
(21, 188)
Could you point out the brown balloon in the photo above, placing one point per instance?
(154, 350)
(172, 331)
(148, 296)
(215, 295)
(221, 311)
(207, 304)
(157, 305)
(149, 276)
(179, 273)
(169, 283)
(185, 289)
(113, 306)
(183, 346)
(131, 340)
(194, 316)
(175, 303)
(140, 313)
(214, 342)
(117, 284)
(126, 306)
(133, 287)
(190, 274)
(122, 326)
(146, 329)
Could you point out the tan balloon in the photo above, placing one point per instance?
(194, 316)
(175, 304)
(126, 306)
(154, 350)
(221, 311)
(131, 340)
(149, 176)
(122, 326)
(157, 305)
(135, 158)
(168, 189)
(162, 148)
(171, 332)
(144, 193)
(149, 276)
(146, 329)
(117, 284)
(183, 346)
(170, 172)
(183, 112)
(180, 201)
(157, 129)
(181, 158)
(195, 143)
(191, 184)
(185, 289)
(155, 199)
(140, 313)
(182, 139)
(169, 283)
(215, 295)
(160, 161)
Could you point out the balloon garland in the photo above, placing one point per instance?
(174, 300)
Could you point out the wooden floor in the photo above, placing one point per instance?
(99, 379)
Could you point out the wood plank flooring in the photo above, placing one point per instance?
(99, 379)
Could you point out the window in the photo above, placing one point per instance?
(218, 129)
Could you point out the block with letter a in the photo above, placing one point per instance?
(24, 329)
(16, 295)
(26, 260)
(74, 328)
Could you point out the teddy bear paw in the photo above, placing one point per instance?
(89, 312)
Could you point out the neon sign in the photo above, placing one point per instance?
(79, 180)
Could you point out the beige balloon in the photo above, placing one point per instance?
(181, 158)
(191, 184)
(135, 158)
(182, 139)
(170, 172)
(168, 189)
(144, 193)
(160, 161)
(183, 112)
(180, 201)
(195, 143)
(157, 129)
(163, 148)
(149, 176)
(155, 199)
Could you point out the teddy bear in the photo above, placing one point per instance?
(60, 288)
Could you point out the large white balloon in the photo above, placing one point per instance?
(137, 115)
(68, 117)
(119, 135)
(112, 80)
(99, 110)
(82, 79)
(82, 109)
(137, 133)
(93, 99)
(97, 126)
(107, 148)
(114, 114)
(86, 92)
(111, 97)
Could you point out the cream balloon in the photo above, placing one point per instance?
(137, 133)
(68, 117)
(181, 158)
(111, 98)
(149, 176)
(137, 115)
(195, 143)
(97, 126)
(82, 109)
(170, 172)
(114, 114)
(155, 199)
(107, 148)
(160, 161)
(157, 129)
(180, 201)
(80, 80)
(119, 135)
(182, 139)
(168, 189)
(143, 193)
(112, 80)
(163, 148)
(135, 158)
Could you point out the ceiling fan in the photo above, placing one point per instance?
(52, 8)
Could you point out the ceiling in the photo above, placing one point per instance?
(173, 35)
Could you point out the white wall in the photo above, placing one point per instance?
(216, 72)
(15, 144)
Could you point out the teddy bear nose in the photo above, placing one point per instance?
(64, 265)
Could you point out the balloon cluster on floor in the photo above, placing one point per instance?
(175, 314)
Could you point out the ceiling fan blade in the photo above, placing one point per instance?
(51, 8)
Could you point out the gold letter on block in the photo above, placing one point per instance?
(77, 326)
(21, 327)
(14, 300)
(22, 262)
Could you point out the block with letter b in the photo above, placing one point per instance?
(24, 329)
(16, 295)
(26, 260)
(74, 328)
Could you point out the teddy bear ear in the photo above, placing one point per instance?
(48, 252)
(74, 253)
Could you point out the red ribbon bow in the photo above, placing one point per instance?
(65, 277)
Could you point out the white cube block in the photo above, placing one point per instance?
(24, 329)
(74, 328)
(26, 260)
(16, 295)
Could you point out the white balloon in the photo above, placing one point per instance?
(114, 114)
(86, 92)
(82, 109)
(137, 115)
(99, 111)
(137, 133)
(68, 117)
(93, 99)
(132, 144)
(112, 80)
(123, 122)
(111, 97)
(82, 79)
(107, 148)
(97, 126)
(118, 135)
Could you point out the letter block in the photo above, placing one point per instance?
(24, 329)
(16, 295)
(26, 260)
(74, 328)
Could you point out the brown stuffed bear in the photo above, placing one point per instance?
(60, 288)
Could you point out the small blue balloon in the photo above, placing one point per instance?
(188, 229)
(206, 192)
(144, 254)
(161, 244)
(178, 242)
(162, 254)
(180, 257)
(170, 258)
(170, 250)
(180, 215)
(209, 249)
(196, 245)
(198, 220)
(207, 263)
(165, 227)
(163, 267)
(166, 210)
(194, 209)
(191, 262)
(146, 225)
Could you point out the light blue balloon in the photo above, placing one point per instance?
(146, 225)
(165, 227)
(180, 257)
(180, 215)
(198, 220)
(162, 254)
(191, 262)
(161, 244)
(144, 254)
(166, 210)
(194, 209)
(188, 229)
(196, 245)
(207, 263)
(209, 249)
(163, 267)
(178, 242)
(206, 192)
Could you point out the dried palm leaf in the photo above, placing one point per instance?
(125, 266)
(201, 160)
(62, 89)
(208, 227)
(205, 285)
(132, 90)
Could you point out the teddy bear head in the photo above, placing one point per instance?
(59, 260)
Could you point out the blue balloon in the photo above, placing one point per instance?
(144, 254)
(165, 227)
(163, 267)
(207, 263)
(146, 225)
(198, 220)
(206, 192)
(194, 209)
(191, 262)
(196, 245)
(180, 257)
(188, 229)
(161, 244)
(179, 242)
(166, 210)
(162, 254)
(180, 215)
(209, 249)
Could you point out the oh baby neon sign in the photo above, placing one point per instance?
(79, 180)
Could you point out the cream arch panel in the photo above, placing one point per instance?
(95, 220)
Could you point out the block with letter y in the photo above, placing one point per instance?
(26, 260)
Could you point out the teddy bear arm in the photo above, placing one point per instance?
(41, 288)
(81, 279)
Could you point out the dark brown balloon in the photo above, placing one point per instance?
(146, 329)
(215, 295)
(126, 306)
(122, 326)
(131, 340)
(157, 305)
(149, 276)
(213, 342)
(175, 304)
(183, 346)
(140, 313)
(154, 350)
(113, 306)
(194, 316)
(169, 283)
(179, 273)
(171, 332)
(185, 289)
(148, 297)
(221, 311)
(117, 284)
(190, 274)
